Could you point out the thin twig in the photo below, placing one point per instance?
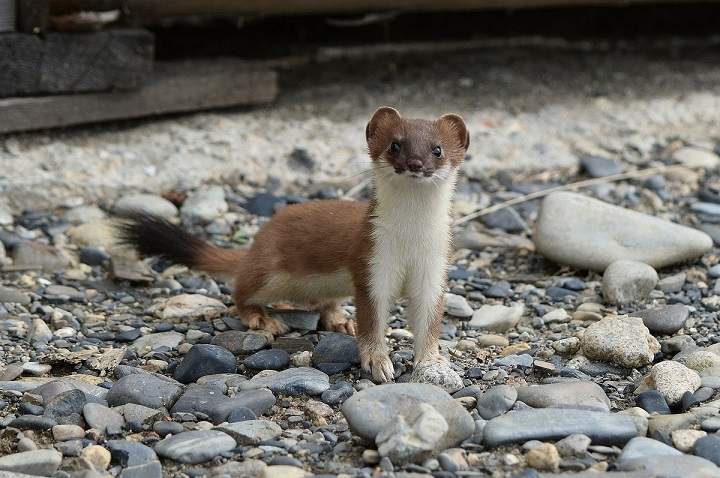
(577, 185)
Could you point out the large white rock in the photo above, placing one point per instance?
(590, 234)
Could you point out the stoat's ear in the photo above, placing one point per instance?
(455, 125)
(383, 119)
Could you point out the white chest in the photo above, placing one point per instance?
(411, 236)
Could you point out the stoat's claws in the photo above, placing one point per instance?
(380, 367)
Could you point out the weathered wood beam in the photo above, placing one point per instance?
(74, 62)
(173, 88)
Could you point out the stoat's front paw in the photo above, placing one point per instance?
(379, 366)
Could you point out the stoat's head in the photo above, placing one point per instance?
(417, 148)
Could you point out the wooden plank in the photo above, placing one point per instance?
(33, 16)
(173, 88)
(74, 62)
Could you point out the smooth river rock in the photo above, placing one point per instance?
(587, 233)
(556, 423)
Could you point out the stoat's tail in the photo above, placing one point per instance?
(151, 235)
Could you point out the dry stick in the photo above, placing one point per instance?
(581, 184)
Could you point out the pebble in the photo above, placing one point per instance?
(204, 359)
(273, 359)
(496, 318)
(368, 411)
(337, 393)
(15, 296)
(240, 414)
(43, 462)
(653, 401)
(598, 166)
(665, 320)
(544, 457)
(496, 401)
(148, 203)
(205, 204)
(196, 446)
(67, 432)
(241, 343)
(626, 281)
(263, 204)
(685, 439)
(673, 379)
(697, 157)
(701, 360)
(507, 219)
(144, 389)
(673, 283)
(708, 447)
(555, 423)
(170, 339)
(621, 340)
(34, 255)
(251, 432)
(97, 455)
(102, 418)
(209, 400)
(296, 319)
(294, 381)
(140, 414)
(587, 233)
(573, 446)
(186, 307)
(335, 353)
(457, 306)
(66, 407)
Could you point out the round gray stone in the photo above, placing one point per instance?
(370, 410)
(627, 281)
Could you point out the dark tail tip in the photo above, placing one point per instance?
(152, 235)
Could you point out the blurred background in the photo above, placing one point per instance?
(103, 97)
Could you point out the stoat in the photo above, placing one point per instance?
(319, 253)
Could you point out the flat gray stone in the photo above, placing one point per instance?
(293, 381)
(102, 418)
(144, 389)
(8, 294)
(169, 339)
(590, 234)
(369, 411)
(250, 432)
(42, 462)
(556, 423)
(196, 446)
(569, 394)
(670, 466)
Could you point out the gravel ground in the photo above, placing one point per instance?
(145, 371)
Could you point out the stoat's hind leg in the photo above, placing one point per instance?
(333, 318)
(255, 317)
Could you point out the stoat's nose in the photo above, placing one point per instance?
(415, 165)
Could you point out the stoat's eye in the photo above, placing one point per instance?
(437, 151)
(394, 147)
